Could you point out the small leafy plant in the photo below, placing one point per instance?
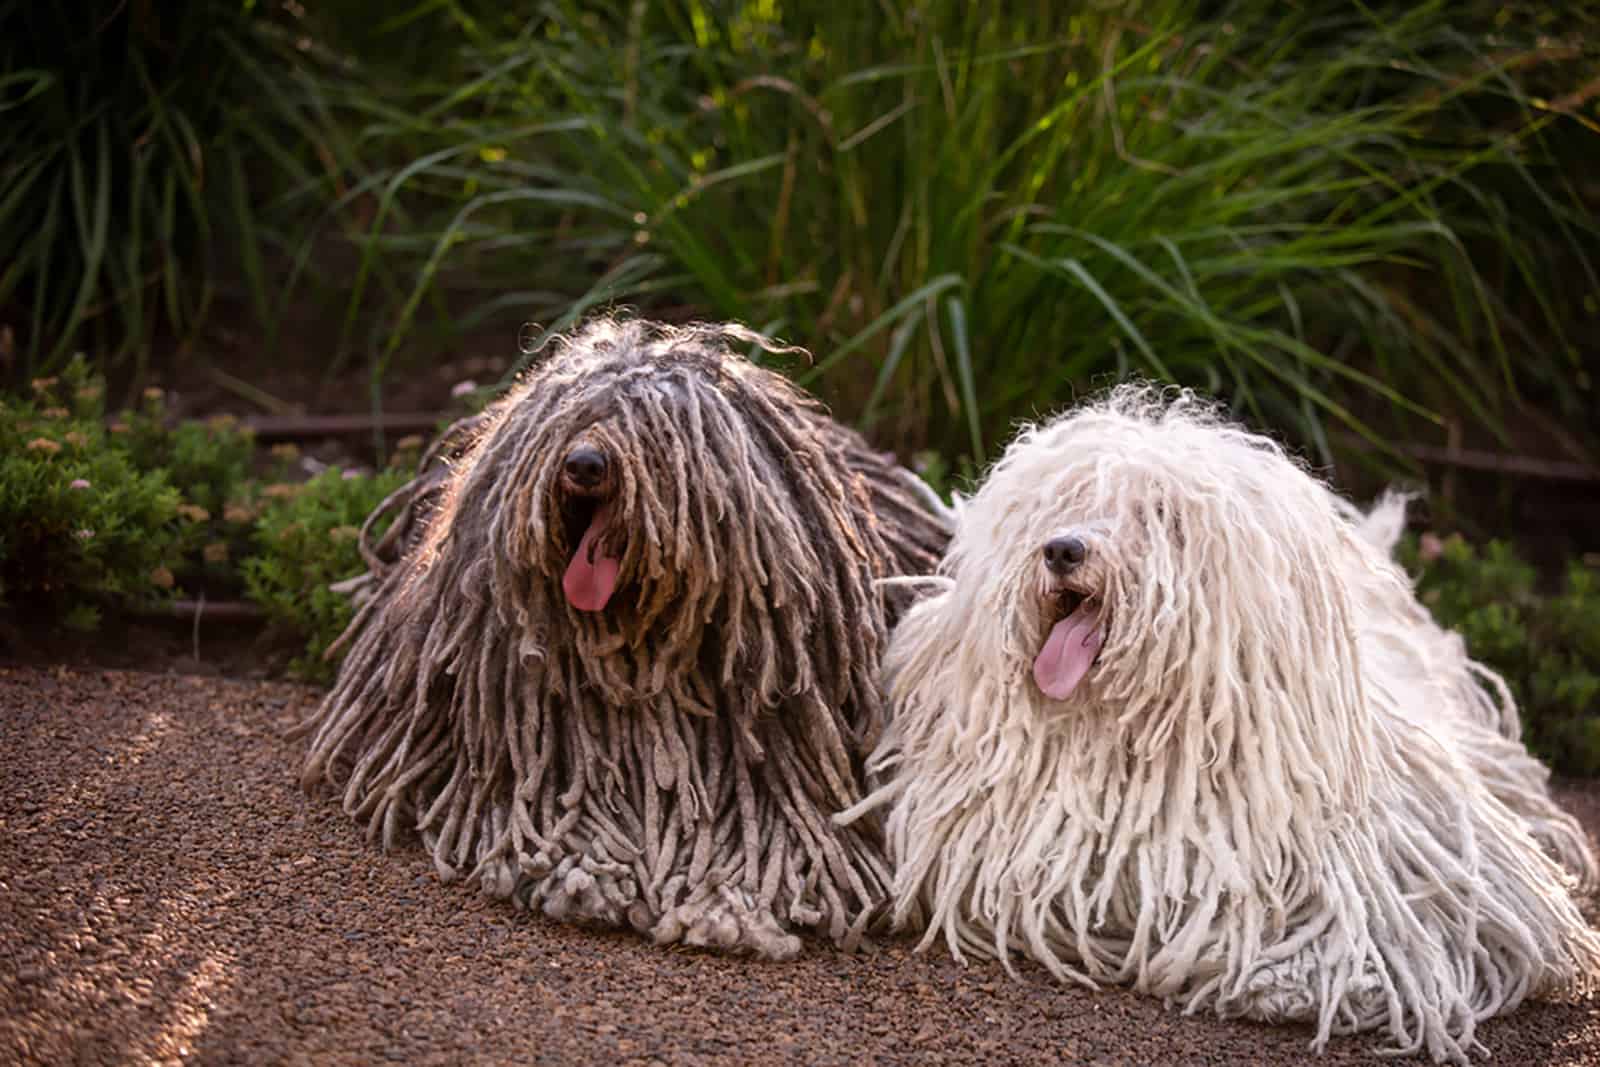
(83, 527)
(102, 514)
(205, 461)
(212, 466)
(1546, 646)
(305, 540)
(99, 515)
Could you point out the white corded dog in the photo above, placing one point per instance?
(1176, 720)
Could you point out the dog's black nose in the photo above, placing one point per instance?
(586, 466)
(1062, 554)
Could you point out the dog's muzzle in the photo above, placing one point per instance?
(585, 467)
(588, 486)
(1062, 555)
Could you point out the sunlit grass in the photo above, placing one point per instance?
(1359, 220)
(970, 218)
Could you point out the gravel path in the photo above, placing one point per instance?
(167, 894)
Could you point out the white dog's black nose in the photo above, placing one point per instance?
(586, 466)
(1062, 554)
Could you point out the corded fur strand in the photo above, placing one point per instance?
(1280, 792)
(672, 761)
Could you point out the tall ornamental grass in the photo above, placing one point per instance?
(1338, 216)
(1362, 218)
(153, 157)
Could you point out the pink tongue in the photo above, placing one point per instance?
(1069, 651)
(591, 577)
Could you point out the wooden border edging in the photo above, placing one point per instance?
(299, 427)
(1480, 460)
(214, 610)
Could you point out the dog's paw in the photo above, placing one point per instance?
(1279, 993)
(729, 921)
(580, 889)
(1365, 1002)
(1290, 991)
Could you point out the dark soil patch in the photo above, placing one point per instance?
(168, 894)
(243, 649)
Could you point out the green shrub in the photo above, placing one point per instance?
(1547, 647)
(83, 528)
(98, 516)
(305, 540)
(208, 462)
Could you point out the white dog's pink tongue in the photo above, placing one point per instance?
(1069, 651)
(591, 577)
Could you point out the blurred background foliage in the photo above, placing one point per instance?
(1361, 219)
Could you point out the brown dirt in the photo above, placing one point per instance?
(167, 893)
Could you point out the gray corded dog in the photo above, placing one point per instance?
(617, 656)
